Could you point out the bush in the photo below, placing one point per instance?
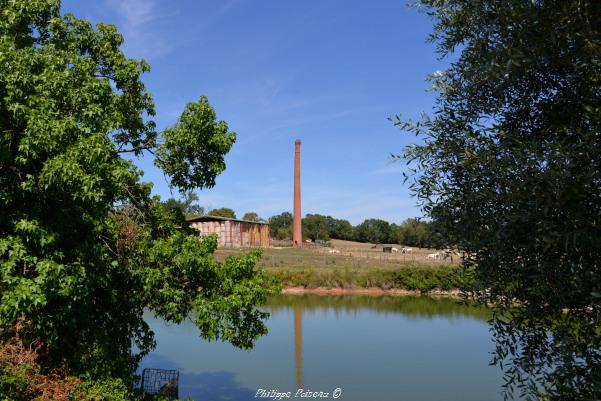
(420, 278)
(21, 379)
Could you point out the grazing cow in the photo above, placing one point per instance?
(395, 250)
(406, 250)
(433, 256)
(333, 251)
(445, 254)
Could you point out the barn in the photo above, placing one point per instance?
(232, 232)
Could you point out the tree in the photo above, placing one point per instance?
(84, 248)
(340, 228)
(416, 232)
(315, 227)
(281, 226)
(510, 171)
(252, 216)
(223, 212)
(376, 231)
(186, 205)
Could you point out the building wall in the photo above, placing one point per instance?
(232, 233)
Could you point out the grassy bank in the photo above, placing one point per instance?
(358, 266)
(413, 278)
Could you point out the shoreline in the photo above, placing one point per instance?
(370, 291)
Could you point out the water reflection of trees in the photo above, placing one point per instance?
(554, 358)
(408, 306)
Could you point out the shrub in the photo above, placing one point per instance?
(22, 379)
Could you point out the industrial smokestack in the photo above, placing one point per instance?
(297, 231)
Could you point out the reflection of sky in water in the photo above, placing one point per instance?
(372, 354)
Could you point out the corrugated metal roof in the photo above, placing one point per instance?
(206, 217)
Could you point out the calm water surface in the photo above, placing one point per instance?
(372, 348)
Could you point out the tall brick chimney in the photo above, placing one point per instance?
(297, 231)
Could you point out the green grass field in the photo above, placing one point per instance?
(358, 267)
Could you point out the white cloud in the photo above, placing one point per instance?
(391, 168)
(140, 22)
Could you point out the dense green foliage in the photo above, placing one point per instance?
(510, 170)
(193, 149)
(340, 229)
(411, 232)
(252, 216)
(373, 230)
(223, 212)
(84, 248)
(315, 227)
(281, 225)
(186, 206)
(418, 278)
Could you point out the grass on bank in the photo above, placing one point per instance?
(413, 278)
(358, 266)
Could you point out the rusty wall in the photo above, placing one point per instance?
(231, 233)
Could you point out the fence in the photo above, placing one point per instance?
(161, 381)
(352, 259)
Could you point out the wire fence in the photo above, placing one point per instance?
(351, 259)
(161, 381)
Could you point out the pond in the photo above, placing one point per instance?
(370, 348)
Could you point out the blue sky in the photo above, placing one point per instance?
(329, 72)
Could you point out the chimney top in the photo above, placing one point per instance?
(297, 141)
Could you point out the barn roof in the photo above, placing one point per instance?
(206, 217)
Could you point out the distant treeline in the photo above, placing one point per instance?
(411, 232)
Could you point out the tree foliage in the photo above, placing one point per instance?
(193, 150)
(376, 231)
(411, 232)
(187, 205)
(281, 225)
(223, 212)
(84, 248)
(316, 227)
(417, 232)
(340, 229)
(252, 216)
(510, 169)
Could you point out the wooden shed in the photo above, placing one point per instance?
(233, 232)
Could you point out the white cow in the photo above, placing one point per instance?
(406, 250)
(395, 250)
(333, 251)
(433, 256)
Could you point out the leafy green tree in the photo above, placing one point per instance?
(223, 212)
(340, 228)
(397, 234)
(84, 248)
(193, 149)
(315, 227)
(281, 226)
(416, 232)
(510, 170)
(186, 205)
(376, 231)
(252, 216)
